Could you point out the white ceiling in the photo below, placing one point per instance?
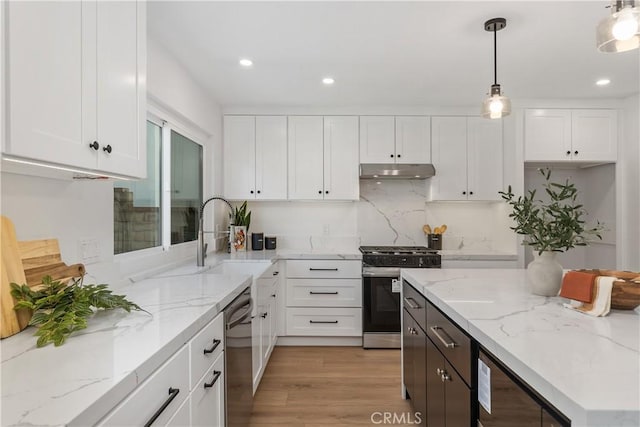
(432, 53)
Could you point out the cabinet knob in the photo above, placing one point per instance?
(445, 376)
(273, 295)
(471, 192)
(94, 145)
(320, 192)
(264, 315)
(251, 191)
(439, 371)
(392, 155)
(575, 152)
(568, 152)
(326, 192)
(258, 191)
(464, 192)
(398, 156)
(107, 149)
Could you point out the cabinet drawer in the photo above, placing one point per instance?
(324, 292)
(336, 322)
(141, 405)
(454, 344)
(207, 398)
(324, 269)
(415, 304)
(205, 347)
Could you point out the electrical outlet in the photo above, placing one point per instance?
(89, 250)
(325, 229)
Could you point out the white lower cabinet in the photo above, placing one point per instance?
(207, 397)
(265, 324)
(187, 390)
(324, 298)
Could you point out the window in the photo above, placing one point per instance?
(144, 219)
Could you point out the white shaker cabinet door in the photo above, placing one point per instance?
(594, 135)
(413, 139)
(377, 139)
(46, 83)
(547, 135)
(449, 156)
(341, 173)
(121, 88)
(207, 397)
(271, 157)
(239, 157)
(305, 157)
(484, 159)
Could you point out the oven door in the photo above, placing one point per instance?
(380, 308)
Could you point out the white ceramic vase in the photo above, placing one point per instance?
(544, 274)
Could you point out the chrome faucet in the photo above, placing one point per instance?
(202, 246)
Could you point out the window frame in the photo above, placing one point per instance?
(168, 122)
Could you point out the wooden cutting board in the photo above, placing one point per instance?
(27, 262)
(12, 321)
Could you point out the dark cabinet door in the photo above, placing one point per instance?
(419, 396)
(457, 397)
(407, 351)
(510, 404)
(435, 386)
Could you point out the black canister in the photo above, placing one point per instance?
(434, 241)
(270, 243)
(257, 241)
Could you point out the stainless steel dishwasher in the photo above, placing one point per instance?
(239, 378)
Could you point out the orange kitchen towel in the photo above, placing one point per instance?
(578, 286)
(601, 299)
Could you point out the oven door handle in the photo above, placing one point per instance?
(389, 272)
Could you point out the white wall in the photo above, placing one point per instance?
(628, 186)
(76, 210)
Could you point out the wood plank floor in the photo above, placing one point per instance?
(328, 386)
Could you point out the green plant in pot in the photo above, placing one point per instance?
(240, 228)
(554, 225)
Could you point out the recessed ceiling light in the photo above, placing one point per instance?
(246, 62)
(603, 82)
(328, 81)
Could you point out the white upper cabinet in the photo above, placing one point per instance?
(306, 153)
(323, 158)
(86, 84)
(377, 139)
(341, 170)
(467, 154)
(413, 139)
(389, 139)
(255, 157)
(570, 135)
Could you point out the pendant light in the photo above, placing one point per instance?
(496, 105)
(620, 31)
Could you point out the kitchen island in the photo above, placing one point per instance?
(587, 367)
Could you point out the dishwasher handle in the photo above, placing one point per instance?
(245, 315)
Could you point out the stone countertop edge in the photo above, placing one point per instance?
(596, 408)
(454, 255)
(81, 381)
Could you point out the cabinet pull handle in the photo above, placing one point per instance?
(264, 315)
(323, 269)
(216, 375)
(323, 293)
(107, 149)
(275, 273)
(173, 392)
(411, 303)
(435, 330)
(94, 145)
(216, 343)
(445, 376)
(323, 321)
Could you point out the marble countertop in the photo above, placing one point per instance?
(587, 367)
(80, 381)
(475, 255)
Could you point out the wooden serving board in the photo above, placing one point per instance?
(27, 263)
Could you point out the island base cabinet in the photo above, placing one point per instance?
(414, 365)
(510, 403)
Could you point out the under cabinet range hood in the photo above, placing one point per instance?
(396, 171)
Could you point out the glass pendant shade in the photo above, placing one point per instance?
(496, 105)
(620, 31)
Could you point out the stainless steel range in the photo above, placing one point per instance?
(381, 289)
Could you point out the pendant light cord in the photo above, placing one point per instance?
(495, 55)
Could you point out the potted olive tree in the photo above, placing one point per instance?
(551, 226)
